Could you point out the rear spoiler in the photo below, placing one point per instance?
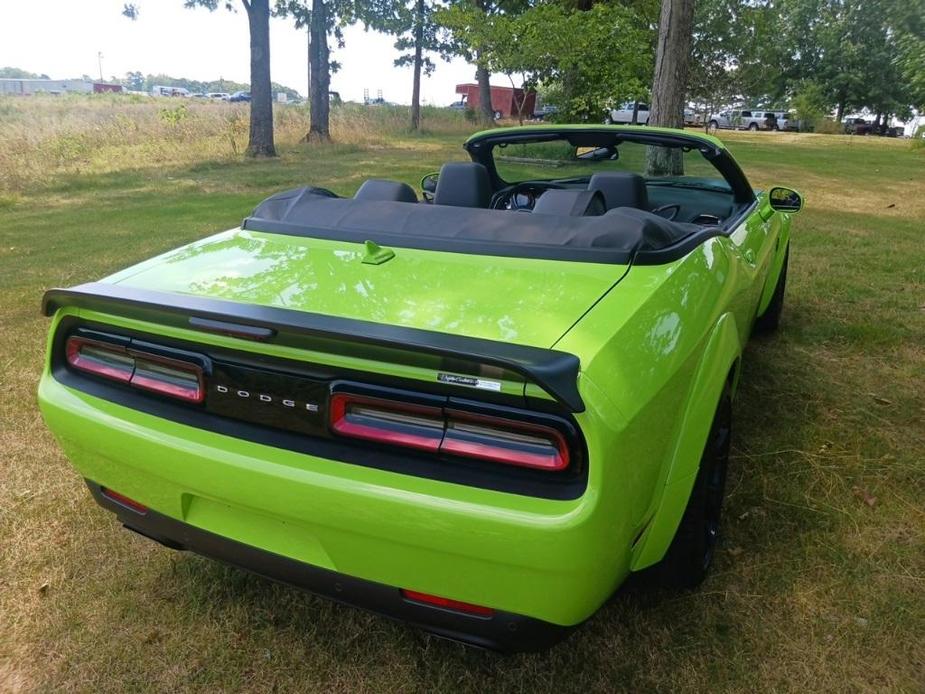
(554, 371)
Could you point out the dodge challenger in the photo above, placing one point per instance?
(476, 408)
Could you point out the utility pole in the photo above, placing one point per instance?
(99, 59)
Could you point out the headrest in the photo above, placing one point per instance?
(621, 189)
(571, 203)
(463, 184)
(383, 189)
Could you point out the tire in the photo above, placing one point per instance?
(608, 120)
(690, 555)
(753, 127)
(769, 321)
(497, 115)
(712, 127)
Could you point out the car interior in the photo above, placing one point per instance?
(585, 197)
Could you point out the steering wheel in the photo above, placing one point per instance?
(669, 212)
(507, 198)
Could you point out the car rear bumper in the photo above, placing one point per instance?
(502, 631)
(551, 561)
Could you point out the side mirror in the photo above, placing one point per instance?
(785, 200)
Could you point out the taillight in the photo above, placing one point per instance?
(505, 441)
(168, 377)
(100, 358)
(143, 370)
(447, 604)
(398, 423)
(454, 432)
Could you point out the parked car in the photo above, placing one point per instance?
(219, 96)
(624, 115)
(480, 422)
(240, 96)
(458, 105)
(544, 112)
(751, 119)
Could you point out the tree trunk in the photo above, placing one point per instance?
(635, 118)
(308, 94)
(320, 128)
(486, 111)
(261, 130)
(840, 110)
(672, 59)
(418, 60)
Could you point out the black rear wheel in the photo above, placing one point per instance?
(769, 321)
(691, 552)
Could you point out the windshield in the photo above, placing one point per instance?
(559, 160)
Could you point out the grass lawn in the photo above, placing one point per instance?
(819, 583)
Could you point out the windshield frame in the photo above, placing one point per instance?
(481, 147)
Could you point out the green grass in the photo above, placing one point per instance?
(814, 589)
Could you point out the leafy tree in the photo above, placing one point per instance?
(134, 81)
(326, 18)
(584, 58)
(414, 23)
(474, 26)
(16, 73)
(260, 143)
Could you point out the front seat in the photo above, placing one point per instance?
(383, 189)
(463, 184)
(621, 189)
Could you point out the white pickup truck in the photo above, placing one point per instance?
(624, 115)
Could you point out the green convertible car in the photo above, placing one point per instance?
(477, 412)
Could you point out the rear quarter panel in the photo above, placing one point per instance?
(657, 351)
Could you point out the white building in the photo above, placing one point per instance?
(39, 86)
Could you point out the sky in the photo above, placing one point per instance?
(61, 38)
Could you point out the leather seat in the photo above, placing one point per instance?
(463, 184)
(570, 203)
(621, 189)
(383, 189)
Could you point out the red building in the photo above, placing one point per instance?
(506, 102)
(102, 87)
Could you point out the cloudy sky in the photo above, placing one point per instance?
(61, 38)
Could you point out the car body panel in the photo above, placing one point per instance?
(506, 299)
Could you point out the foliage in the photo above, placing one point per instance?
(809, 105)
(859, 54)
(18, 74)
(586, 59)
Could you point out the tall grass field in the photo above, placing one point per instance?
(819, 582)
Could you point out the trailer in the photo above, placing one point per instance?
(506, 102)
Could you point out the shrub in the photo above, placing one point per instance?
(828, 126)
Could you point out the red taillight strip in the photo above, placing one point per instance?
(134, 367)
(143, 378)
(85, 362)
(447, 604)
(500, 450)
(492, 438)
(421, 439)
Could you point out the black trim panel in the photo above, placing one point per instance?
(555, 372)
(503, 631)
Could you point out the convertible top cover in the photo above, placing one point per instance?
(614, 237)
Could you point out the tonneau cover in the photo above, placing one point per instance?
(613, 237)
